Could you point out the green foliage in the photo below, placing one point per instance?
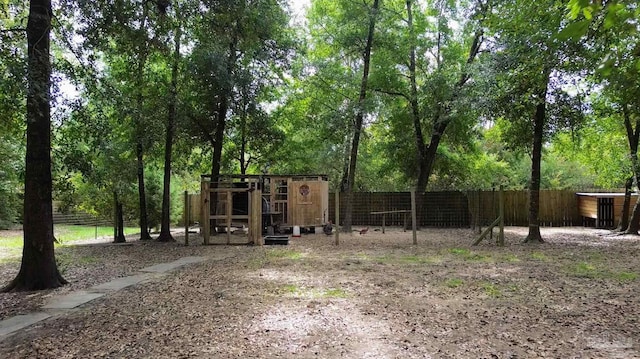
(153, 191)
(11, 173)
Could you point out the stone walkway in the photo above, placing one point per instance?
(63, 304)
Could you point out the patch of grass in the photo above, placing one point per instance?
(469, 255)
(291, 289)
(283, 254)
(385, 259)
(584, 269)
(589, 270)
(66, 233)
(335, 293)
(491, 290)
(11, 242)
(10, 258)
(454, 282)
(460, 251)
(539, 257)
(624, 276)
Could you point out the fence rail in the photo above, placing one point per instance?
(558, 208)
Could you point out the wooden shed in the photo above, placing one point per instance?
(604, 208)
(287, 200)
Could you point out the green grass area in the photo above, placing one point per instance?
(65, 234)
(335, 293)
(491, 290)
(283, 254)
(539, 257)
(469, 255)
(598, 271)
(454, 282)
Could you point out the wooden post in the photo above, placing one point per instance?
(250, 221)
(205, 211)
(383, 222)
(414, 216)
(337, 224)
(229, 214)
(501, 209)
(255, 218)
(187, 217)
(478, 222)
(405, 225)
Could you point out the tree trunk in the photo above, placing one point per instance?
(633, 135)
(221, 118)
(423, 174)
(623, 224)
(219, 137)
(358, 120)
(536, 159)
(38, 269)
(142, 198)
(243, 144)
(165, 228)
(119, 235)
(142, 54)
(345, 166)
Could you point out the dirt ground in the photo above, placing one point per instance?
(373, 296)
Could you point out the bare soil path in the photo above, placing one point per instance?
(374, 296)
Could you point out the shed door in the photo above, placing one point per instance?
(309, 202)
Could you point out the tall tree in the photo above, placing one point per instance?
(142, 52)
(531, 67)
(359, 116)
(38, 269)
(165, 226)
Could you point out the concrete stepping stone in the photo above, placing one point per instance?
(72, 300)
(13, 324)
(121, 283)
(165, 267)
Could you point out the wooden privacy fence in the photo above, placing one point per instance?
(558, 208)
(457, 209)
(453, 209)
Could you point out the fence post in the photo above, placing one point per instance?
(337, 205)
(413, 215)
(501, 209)
(187, 217)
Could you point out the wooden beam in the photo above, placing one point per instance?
(486, 231)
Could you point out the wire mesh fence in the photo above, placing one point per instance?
(450, 209)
